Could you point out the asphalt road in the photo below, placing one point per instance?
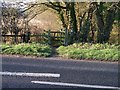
(73, 74)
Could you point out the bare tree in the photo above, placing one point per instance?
(15, 20)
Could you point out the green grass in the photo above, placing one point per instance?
(88, 51)
(33, 49)
(104, 52)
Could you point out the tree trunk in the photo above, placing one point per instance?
(86, 27)
(109, 22)
(73, 17)
(105, 23)
(61, 15)
(100, 23)
(73, 37)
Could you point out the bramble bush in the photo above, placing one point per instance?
(90, 51)
(34, 49)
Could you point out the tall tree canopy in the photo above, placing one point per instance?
(86, 18)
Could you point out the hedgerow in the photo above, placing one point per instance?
(90, 51)
(27, 49)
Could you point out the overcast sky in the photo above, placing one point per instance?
(14, 1)
(17, 0)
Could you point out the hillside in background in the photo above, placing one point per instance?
(47, 20)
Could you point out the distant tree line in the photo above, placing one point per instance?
(87, 22)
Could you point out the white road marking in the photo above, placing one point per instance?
(30, 74)
(74, 85)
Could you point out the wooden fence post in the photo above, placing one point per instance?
(49, 37)
(66, 37)
(0, 27)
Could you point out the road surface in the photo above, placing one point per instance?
(19, 72)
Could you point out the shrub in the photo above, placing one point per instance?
(90, 51)
(4, 47)
(27, 49)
